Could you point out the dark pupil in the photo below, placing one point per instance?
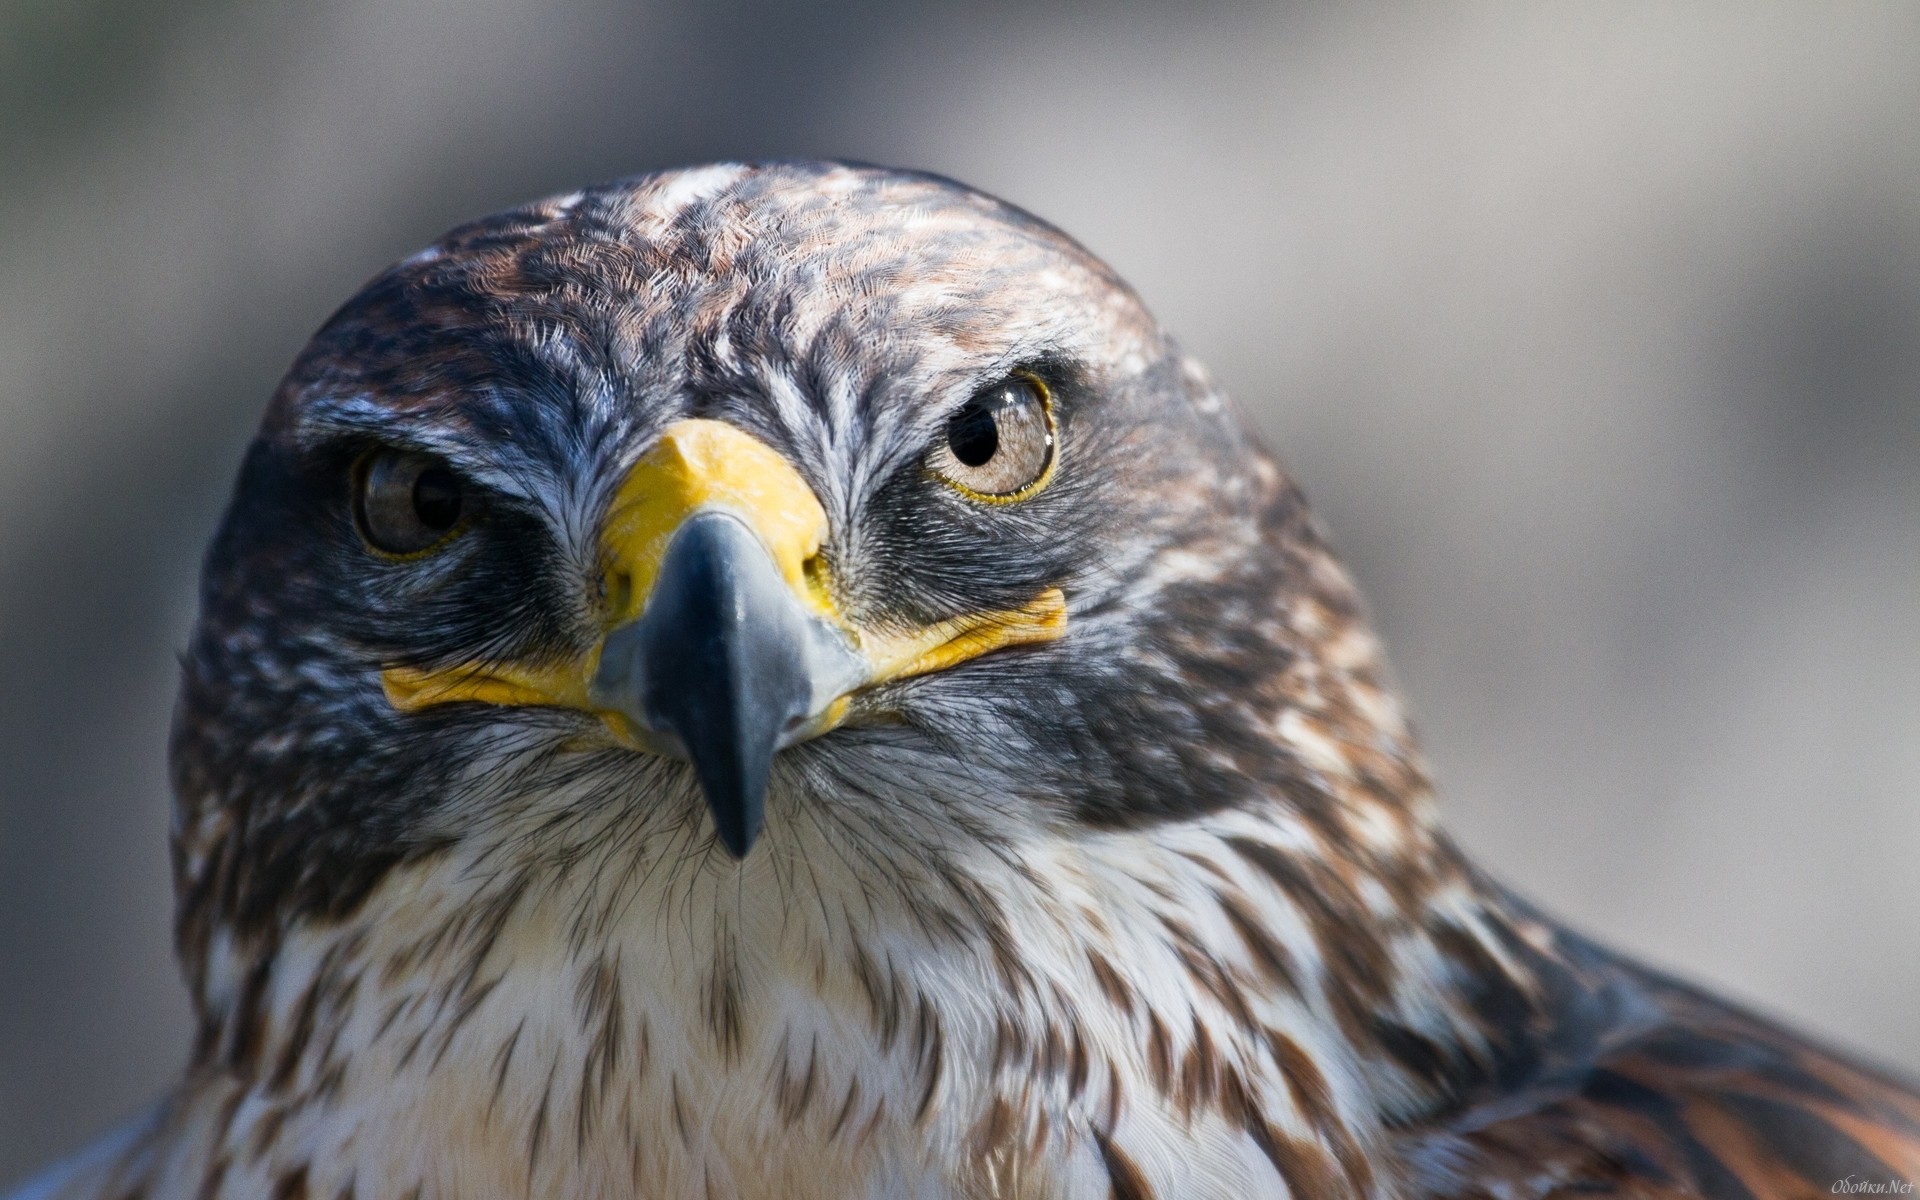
(436, 499)
(973, 435)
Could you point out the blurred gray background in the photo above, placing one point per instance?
(1593, 330)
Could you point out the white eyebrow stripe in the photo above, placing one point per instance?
(521, 476)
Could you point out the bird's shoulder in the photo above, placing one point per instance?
(1657, 1089)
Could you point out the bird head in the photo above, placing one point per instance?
(699, 507)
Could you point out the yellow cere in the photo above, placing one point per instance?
(697, 466)
(701, 465)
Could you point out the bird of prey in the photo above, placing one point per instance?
(783, 680)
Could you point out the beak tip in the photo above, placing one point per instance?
(736, 795)
(738, 835)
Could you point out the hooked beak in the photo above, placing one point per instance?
(722, 643)
(723, 667)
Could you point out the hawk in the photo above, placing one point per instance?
(784, 681)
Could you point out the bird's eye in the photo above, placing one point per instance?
(405, 502)
(1000, 445)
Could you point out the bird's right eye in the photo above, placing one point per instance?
(406, 503)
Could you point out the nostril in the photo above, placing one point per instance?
(619, 592)
(813, 572)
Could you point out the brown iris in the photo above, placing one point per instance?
(405, 502)
(999, 445)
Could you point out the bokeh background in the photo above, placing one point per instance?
(1593, 330)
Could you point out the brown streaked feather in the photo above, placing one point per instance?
(1685, 1097)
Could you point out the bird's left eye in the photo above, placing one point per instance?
(999, 446)
(405, 502)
